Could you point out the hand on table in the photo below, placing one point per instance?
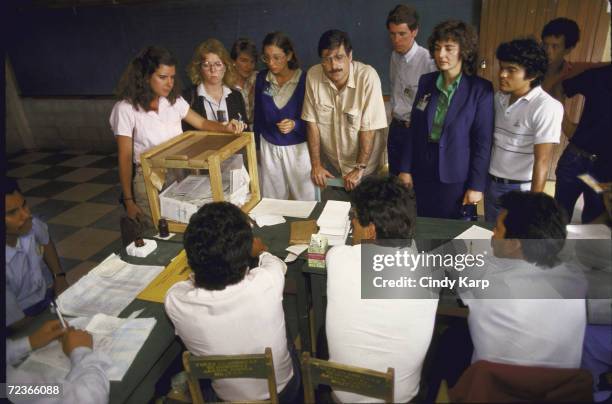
(73, 339)
(48, 332)
(351, 180)
(319, 176)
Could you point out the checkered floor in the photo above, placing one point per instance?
(76, 193)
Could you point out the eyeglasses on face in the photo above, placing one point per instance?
(212, 66)
(275, 58)
(338, 58)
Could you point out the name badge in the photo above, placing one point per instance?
(422, 104)
(408, 92)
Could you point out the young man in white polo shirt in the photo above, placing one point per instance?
(527, 124)
(408, 62)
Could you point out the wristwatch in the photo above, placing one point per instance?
(360, 166)
(57, 275)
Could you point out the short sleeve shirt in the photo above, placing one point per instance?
(243, 318)
(535, 118)
(341, 115)
(148, 128)
(405, 71)
(27, 275)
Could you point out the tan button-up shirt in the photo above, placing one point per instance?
(341, 115)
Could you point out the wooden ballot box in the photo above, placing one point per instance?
(198, 152)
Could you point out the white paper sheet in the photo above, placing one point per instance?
(268, 206)
(334, 215)
(587, 231)
(120, 339)
(93, 294)
(475, 233)
(269, 220)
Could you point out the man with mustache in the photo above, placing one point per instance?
(33, 270)
(527, 124)
(344, 109)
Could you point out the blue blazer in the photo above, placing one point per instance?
(465, 142)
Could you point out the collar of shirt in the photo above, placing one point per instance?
(202, 93)
(451, 88)
(410, 54)
(534, 92)
(21, 246)
(271, 78)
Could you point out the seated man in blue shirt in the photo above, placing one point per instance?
(33, 270)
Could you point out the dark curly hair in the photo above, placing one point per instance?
(539, 222)
(462, 33)
(134, 84)
(527, 53)
(404, 14)
(562, 27)
(218, 242)
(283, 42)
(388, 204)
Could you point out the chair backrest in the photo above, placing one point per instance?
(257, 366)
(340, 377)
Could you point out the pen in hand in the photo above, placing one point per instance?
(59, 314)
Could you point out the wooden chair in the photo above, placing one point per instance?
(345, 378)
(257, 366)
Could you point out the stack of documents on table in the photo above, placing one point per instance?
(271, 211)
(108, 288)
(119, 338)
(178, 270)
(182, 199)
(334, 222)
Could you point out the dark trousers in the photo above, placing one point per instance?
(398, 135)
(569, 186)
(435, 198)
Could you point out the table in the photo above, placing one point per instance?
(159, 350)
(162, 347)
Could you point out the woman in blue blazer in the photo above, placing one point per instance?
(446, 157)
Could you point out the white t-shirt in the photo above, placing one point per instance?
(151, 128)
(528, 332)
(405, 72)
(244, 318)
(534, 118)
(375, 333)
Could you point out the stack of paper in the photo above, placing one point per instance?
(280, 207)
(109, 288)
(119, 338)
(181, 200)
(334, 222)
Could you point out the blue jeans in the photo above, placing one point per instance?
(494, 191)
(569, 186)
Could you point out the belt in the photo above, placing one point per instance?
(399, 122)
(578, 151)
(506, 181)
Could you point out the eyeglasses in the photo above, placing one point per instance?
(212, 66)
(275, 58)
(339, 58)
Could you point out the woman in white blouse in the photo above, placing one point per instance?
(150, 112)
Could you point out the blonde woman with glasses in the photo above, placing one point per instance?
(213, 76)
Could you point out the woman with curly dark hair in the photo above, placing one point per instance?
(447, 156)
(150, 112)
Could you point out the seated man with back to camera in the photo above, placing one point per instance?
(233, 302)
(383, 332)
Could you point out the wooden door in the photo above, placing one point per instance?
(504, 20)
